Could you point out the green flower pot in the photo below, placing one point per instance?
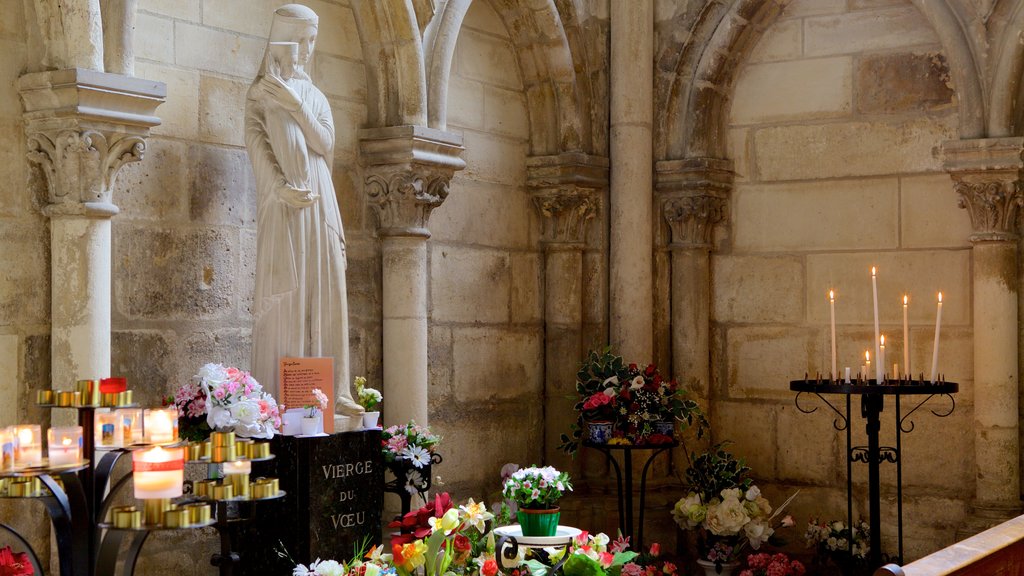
(539, 522)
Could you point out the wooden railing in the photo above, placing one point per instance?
(998, 551)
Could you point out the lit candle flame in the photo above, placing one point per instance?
(940, 297)
(65, 441)
(25, 436)
(872, 271)
(831, 296)
(867, 356)
(904, 299)
(883, 340)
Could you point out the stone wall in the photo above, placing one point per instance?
(833, 126)
(486, 301)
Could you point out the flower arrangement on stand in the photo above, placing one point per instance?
(834, 541)
(772, 565)
(409, 451)
(312, 421)
(536, 492)
(369, 399)
(623, 403)
(226, 399)
(726, 509)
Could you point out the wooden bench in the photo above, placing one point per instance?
(998, 551)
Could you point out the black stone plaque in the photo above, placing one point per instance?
(335, 494)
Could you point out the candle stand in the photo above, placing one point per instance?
(78, 502)
(624, 489)
(872, 397)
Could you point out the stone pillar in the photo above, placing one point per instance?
(987, 179)
(631, 306)
(81, 127)
(407, 173)
(566, 191)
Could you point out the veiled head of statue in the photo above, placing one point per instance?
(295, 23)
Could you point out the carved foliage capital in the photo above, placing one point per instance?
(404, 196)
(81, 165)
(993, 205)
(565, 213)
(693, 218)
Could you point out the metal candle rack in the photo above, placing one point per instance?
(872, 403)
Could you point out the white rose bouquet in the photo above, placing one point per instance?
(726, 507)
(235, 402)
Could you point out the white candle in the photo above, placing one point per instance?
(158, 472)
(847, 374)
(867, 364)
(238, 467)
(161, 425)
(895, 370)
(881, 358)
(64, 445)
(29, 445)
(906, 339)
(874, 294)
(832, 306)
(935, 348)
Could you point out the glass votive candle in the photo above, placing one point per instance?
(7, 445)
(161, 425)
(28, 441)
(158, 472)
(131, 425)
(64, 445)
(108, 431)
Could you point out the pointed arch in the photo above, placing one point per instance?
(1006, 115)
(393, 56)
(440, 38)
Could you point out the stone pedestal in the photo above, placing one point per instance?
(407, 173)
(81, 127)
(986, 175)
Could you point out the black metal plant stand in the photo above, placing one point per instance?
(405, 478)
(872, 404)
(625, 489)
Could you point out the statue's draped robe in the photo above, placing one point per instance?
(300, 305)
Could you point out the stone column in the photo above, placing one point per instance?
(987, 179)
(81, 127)
(693, 197)
(631, 305)
(566, 191)
(407, 173)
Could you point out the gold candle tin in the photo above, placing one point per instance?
(25, 487)
(124, 398)
(240, 483)
(69, 398)
(194, 451)
(177, 518)
(198, 513)
(108, 399)
(90, 391)
(242, 447)
(127, 517)
(223, 491)
(204, 488)
(259, 450)
(154, 509)
(265, 488)
(45, 397)
(223, 447)
(222, 438)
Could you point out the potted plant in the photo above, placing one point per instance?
(369, 399)
(536, 491)
(312, 420)
(726, 509)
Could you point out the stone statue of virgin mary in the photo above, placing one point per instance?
(300, 304)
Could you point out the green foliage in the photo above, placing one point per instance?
(582, 565)
(716, 470)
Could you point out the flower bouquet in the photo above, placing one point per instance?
(725, 507)
(369, 399)
(190, 400)
(536, 491)
(772, 565)
(835, 541)
(235, 402)
(623, 404)
(410, 442)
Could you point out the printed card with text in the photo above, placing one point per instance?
(299, 376)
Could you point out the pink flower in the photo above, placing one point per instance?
(632, 569)
(620, 544)
(655, 549)
(787, 521)
(669, 568)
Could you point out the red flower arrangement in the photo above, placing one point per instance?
(14, 563)
(416, 524)
(772, 565)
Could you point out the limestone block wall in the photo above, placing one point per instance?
(486, 344)
(833, 126)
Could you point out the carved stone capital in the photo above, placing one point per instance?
(566, 213)
(407, 173)
(986, 176)
(566, 190)
(82, 126)
(694, 196)
(993, 207)
(692, 219)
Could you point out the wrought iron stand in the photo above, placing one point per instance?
(409, 477)
(625, 492)
(872, 403)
